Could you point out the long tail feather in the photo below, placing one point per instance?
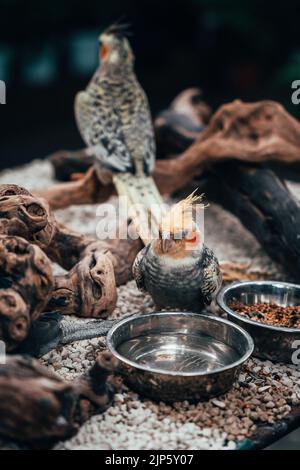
(144, 201)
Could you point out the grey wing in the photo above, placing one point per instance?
(211, 276)
(146, 133)
(138, 269)
(101, 128)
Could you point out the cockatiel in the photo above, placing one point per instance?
(114, 120)
(177, 269)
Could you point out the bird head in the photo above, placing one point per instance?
(114, 47)
(179, 233)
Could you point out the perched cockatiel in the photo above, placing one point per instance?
(177, 269)
(114, 120)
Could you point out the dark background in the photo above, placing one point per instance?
(48, 51)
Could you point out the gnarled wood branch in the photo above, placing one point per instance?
(15, 319)
(62, 245)
(26, 216)
(88, 290)
(175, 130)
(27, 270)
(26, 283)
(264, 205)
(38, 407)
(257, 132)
(35, 404)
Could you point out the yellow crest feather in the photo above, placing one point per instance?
(181, 215)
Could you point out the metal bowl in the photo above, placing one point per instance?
(174, 356)
(271, 342)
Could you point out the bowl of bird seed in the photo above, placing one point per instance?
(269, 311)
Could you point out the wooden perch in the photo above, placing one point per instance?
(256, 133)
(38, 407)
(66, 164)
(175, 130)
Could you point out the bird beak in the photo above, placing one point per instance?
(166, 243)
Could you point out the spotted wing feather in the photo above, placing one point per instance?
(101, 127)
(211, 275)
(138, 269)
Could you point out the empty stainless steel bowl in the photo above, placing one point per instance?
(173, 356)
(271, 342)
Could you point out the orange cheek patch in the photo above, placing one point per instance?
(194, 238)
(103, 52)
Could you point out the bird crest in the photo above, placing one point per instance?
(181, 216)
(118, 29)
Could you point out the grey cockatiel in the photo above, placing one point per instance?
(177, 269)
(114, 120)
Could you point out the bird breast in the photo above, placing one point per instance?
(169, 280)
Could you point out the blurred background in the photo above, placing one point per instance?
(48, 51)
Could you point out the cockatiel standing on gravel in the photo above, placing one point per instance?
(114, 120)
(177, 269)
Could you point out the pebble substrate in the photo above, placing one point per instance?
(263, 393)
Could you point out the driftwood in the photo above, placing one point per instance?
(180, 125)
(95, 266)
(26, 216)
(27, 286)
(66, 164)
(26, 282)
(264, 205)
(175, 130)
(69, 247)
(257, 132)
(89, 289)
(255, 194)
(26, 269)
(97, 388)
(38, 407)
(62, 245)
(15, 318)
